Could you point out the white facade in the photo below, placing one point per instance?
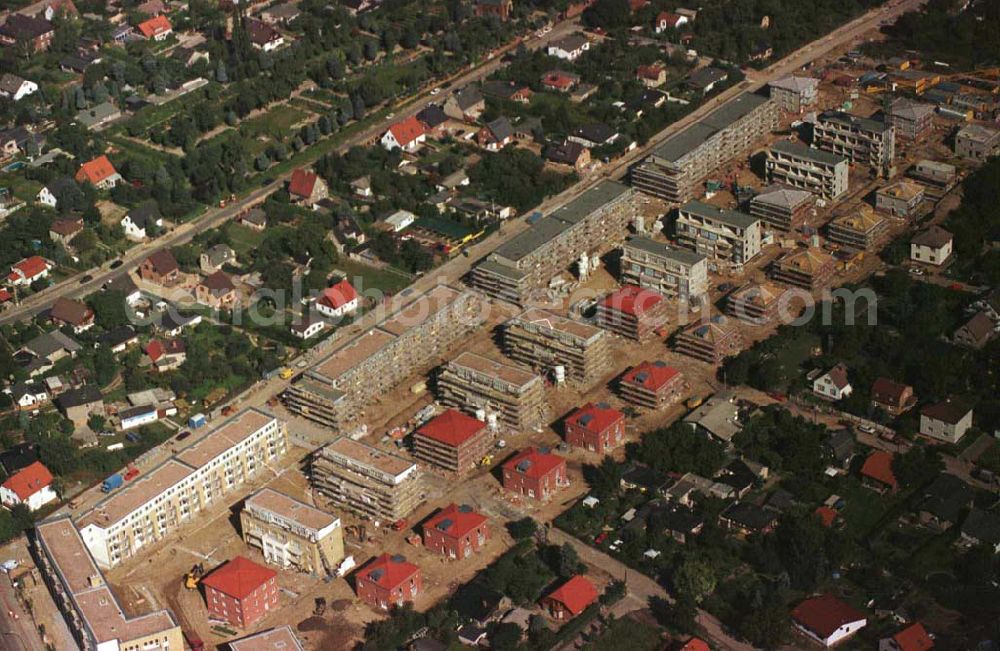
(337, 312)
(843, 632)
(400, 220)
(26, 88)
(389, 143)
(32, 399)
(944, 431)
(133, 231)
(556, 50)
(45, 197)
(35, 501)
(140, 419)
(310, 330)
(935, 255)
(826, 387)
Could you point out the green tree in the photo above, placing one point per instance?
(695, 579)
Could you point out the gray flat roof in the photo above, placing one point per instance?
(683, 143)
(500, 269)
(867, 124)
(528, 241)
(590, 201)
(731, 217)
(663, 249)
(806, 152)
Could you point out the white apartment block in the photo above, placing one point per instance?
(662, 268)
(793, 94)
(161, 501)
(728, 238)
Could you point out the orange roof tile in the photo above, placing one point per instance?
(451, 427)
(29, 480)
(576, 594)
(239, 577)
(95, 171)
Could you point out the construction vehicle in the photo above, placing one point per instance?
(285, 373)
(193, 578)
(486, 460)
(399, 525)
(320, 606)
(694, 402)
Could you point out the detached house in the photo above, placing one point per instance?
(75, 314)
(339, 300)
(466, 104)
(945, 421)
(216, 291)
(976, 332)
(595, 427)
(262, 36)
(64, 230)
(406, 134)
(139, 219)
(667, 20)
(160, 268)
(911, 638)
(15, 88)
(99, 172)
(157, 28)
(28, 396)
(568, 153)
(534, 473)
(215, 258)
(651, 76)
(877, 474)
(495, 135)
(34, 32)
(827, 619)
(568, 48)
(932, 246)
(166, 355)
(499, 8)
(833, 385)
(31, 486)
(892, 397)
(388, 581)
(571, 598)
(28, 271)
(307, 188)
(456, 532)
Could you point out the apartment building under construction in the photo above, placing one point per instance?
(865, 141)
(366, 480)
(632, 312)
(594, 222)
(799, 166)
(808, 268)
(675, 169)
(335, 391)
(757, 303)
(548, 342)
(781, 207)
(727, 238)
(710, 342)
(161, 501)
(663, 268)
(514, 396)
(861, 229)
(292, 534)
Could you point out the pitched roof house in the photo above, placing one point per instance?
(833, 385)
(76, 314)
(876, 473)
(892, 397)
(99, 172)
(31, 486)
(571, 598)
(406, 134)
(156, 28)
(338, 300)
(827, 619)
(307, 188)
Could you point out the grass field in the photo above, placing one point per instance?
(242, 239)
(275, 122)
(365, 277)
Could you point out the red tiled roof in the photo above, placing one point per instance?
(576, 594)
(826, 515)
(5, 295)
(632, 300)
(913, 638)
(31, 267)
(302, 183)
(65, 227)
(156, 349)
(650, 375)
(163, 262)
(29, 480)
(558, 80)
(824, 614)
(669, 18)
(406, 131)
(888, 391)
(389, 572)
(650, 72)
(878, 466)
(539, 463)
(454, 521)
(339, 295)
(451, 428)
(154, 26)
(239, 577)
(601, 417)
(95, 171)
(695, 644)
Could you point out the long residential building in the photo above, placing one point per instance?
(860, 140)
(675, 169)
(94, 615)
(782, 208)
(161, 501)
(366, 480)
(514, 396)
(728, 238)
(546, 341)
(794, 94)
(335, 391)
(799, 166)
(291, 533)
(592, 223)
(655, 265)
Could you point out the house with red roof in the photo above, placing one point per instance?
(595, 427)
(632, 312)
(31, 486)
(535, 473)
(456, 531)
(166, 354)
(388, 581)
(98, 172)
(571, 598)
(560, 80)
(695, 644)
(338, 300)
(652, 384)
(912, 638)
(307, 188)
(241, 592)
(892, 397)
(406, 134)
(668, 20)
(877, 474)
(29, 270)
(834, 384)
(452, 441)
(827, 619)
(651, 76)
(156, 28)
(827, 516)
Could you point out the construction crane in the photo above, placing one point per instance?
(193, 578)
